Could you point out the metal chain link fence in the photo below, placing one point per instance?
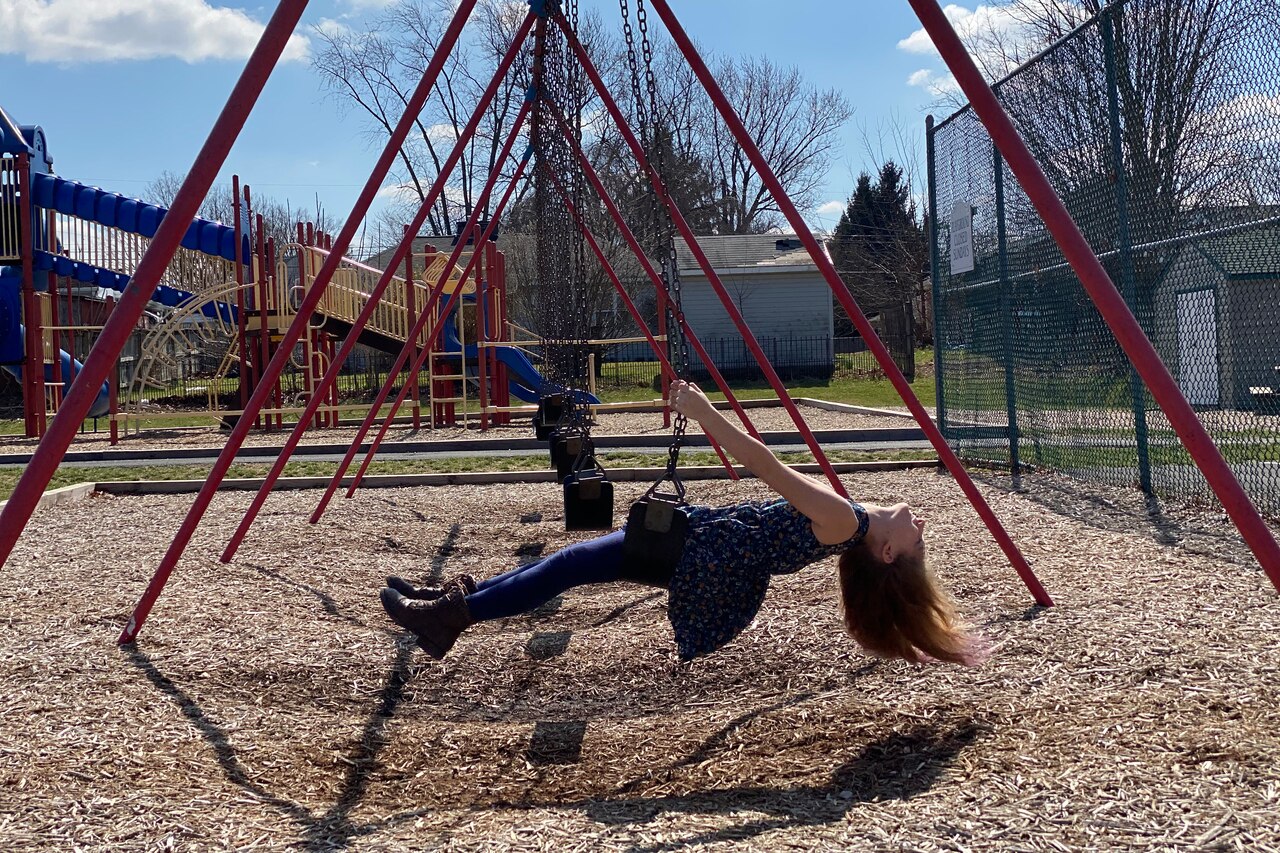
(1163, 139)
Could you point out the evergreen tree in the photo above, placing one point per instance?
(879, 246)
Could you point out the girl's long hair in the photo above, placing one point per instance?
(898, 610)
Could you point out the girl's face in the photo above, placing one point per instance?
(904, 533)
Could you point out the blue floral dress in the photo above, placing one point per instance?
(731, 552)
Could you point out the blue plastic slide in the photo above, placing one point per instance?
(13, 333)
(131, 215)
(525, 382)
(70, 370)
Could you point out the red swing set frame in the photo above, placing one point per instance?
(542, 14)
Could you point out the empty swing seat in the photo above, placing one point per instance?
(588, 500)
(550, 411)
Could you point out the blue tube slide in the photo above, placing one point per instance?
(110, 280)
(131, 215)
(70, 370)
(525, 382)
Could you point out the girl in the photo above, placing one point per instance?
(890, 602)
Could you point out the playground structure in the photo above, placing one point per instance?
(547, 25)
(228, 294)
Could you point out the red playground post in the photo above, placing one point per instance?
(841, 292)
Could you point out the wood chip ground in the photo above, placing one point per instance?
(270, 705)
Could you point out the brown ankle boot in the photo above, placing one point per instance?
(437, 623)
(466, 583)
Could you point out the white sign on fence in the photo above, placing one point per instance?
(961, 237)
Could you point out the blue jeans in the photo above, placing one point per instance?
(529, 587)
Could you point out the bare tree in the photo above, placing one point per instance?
(280, 218)
(374, 72)
(196, 272)
(795, 126)
(1190, 144)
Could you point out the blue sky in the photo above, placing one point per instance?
(126, 89)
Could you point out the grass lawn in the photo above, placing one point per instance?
(863, 392)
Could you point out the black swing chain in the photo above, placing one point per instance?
(562, 273)
(663, 224)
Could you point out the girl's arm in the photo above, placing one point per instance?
(833, 519)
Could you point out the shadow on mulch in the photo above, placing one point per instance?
(896, 767)
(1123, 511)
(333, 828)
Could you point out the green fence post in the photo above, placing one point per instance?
(935, 277)
(1124, 240)
(1006, 311)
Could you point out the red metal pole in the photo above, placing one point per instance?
(629, 236)
(272, 283)
(503, 393)
(370, 306)
(113, 400)
(262, 277)
(51, 224)
(300, 321)
(1011, 551)
(631, 308)
(1102, 290)
(32, 391)
(442, 317)
(306, 237)
(482, 352)
(335, 416)
(692, 241)
(103, 356)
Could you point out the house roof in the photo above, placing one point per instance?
(1254, 253)
(736, 251)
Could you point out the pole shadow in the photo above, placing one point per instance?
(897, 767)
(333, 829)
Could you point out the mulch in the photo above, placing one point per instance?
(269, 704)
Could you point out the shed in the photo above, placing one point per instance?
(780, 292)
(1217, 318)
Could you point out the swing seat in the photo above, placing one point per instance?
(588, 500)
(550, 410)
(565, 452)
(657, 526)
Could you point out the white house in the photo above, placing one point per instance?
(780, 292)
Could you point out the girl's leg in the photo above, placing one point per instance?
(529, 587)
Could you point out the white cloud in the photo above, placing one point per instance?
(968, 23)
(332, 27)
(74, 31)
(994, 32)
(832, 208)
(398, 192)
(442, 133)
(934, 83)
